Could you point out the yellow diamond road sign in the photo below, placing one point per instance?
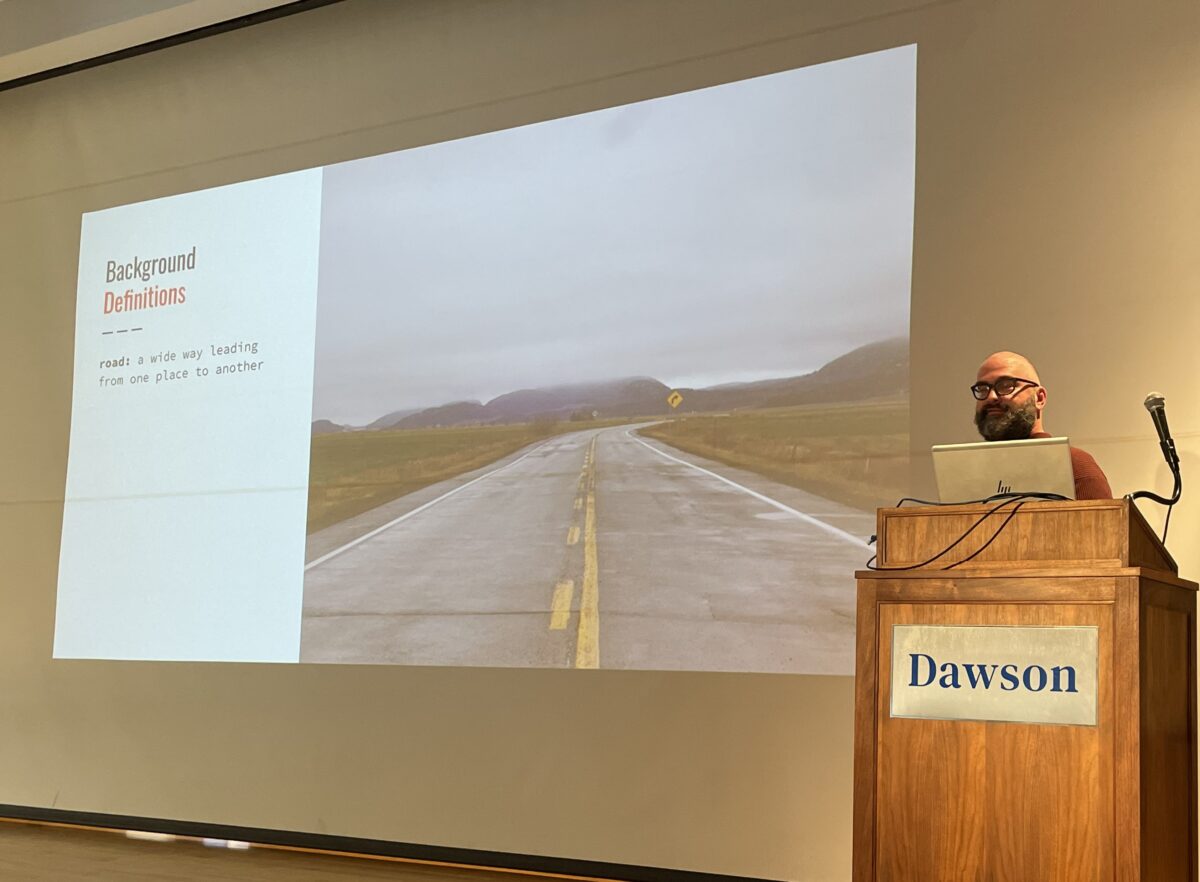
(674, 399)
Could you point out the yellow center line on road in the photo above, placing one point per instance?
(560, 606)
(572, 535)
(587, 644)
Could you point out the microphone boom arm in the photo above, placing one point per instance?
(1162, 500)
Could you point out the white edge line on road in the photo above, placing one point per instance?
(828, 528)
(420, 508)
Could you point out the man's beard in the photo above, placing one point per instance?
(1013, 423)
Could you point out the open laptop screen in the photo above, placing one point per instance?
(967, 472)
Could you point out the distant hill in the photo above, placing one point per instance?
(627, 397)
(876, 370)
(457, 413)
(325, 427)
(390, 419)
(616, 398)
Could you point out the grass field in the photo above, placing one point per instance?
(353, 472)
(856, 454)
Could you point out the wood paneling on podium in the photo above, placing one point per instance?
(964, 800)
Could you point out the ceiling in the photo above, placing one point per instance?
(37, 36)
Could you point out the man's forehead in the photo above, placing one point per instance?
(1007, 364)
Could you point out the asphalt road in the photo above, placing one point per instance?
(594, 549)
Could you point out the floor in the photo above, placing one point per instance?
(42, 853)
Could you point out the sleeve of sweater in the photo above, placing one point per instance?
(1090, 482)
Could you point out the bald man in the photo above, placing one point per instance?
(1009, 400)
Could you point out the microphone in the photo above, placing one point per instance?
(1158, 413)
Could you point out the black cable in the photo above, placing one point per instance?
(1167, 523)
(999, 530)
(1020, 500)
(1029, 495)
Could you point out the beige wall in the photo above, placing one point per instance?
(1057, 194)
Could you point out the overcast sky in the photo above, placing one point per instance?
(755, 229)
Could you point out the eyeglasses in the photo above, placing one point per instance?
(1003, 387)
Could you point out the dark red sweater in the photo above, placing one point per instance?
(1090, 482)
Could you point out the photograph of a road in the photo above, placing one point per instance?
(616, 390)
(598, 548)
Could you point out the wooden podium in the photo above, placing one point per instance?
(939, 797)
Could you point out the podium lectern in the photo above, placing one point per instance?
(1030, 715)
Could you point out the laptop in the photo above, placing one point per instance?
(969, 472)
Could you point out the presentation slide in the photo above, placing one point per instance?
(618, 390)
(187, 478)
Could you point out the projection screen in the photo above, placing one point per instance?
(1053, 213)
(616, 390)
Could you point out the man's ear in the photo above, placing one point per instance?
(1039, 398)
